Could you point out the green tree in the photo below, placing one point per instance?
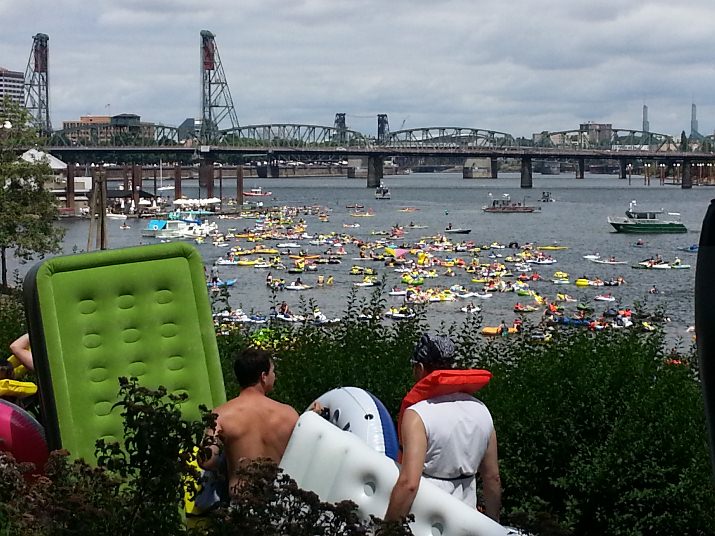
(683, 142)
(27, 209)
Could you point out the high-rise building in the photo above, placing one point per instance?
(694, 133)
(646, 123)
(12, 84)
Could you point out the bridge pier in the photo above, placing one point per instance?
(687, 180)
(623, 169)
(69, 192)
(239, 184)
(526, 172)
(580, 168)
(274, 170)
(136, 185)
(206, 176)
(374, 171)
(177, 181)
(494, 165)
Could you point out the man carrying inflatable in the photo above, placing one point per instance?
(448, 435)
(250, 426)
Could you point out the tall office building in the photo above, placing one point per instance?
(12, 84)
(646, 123)
(694, 123)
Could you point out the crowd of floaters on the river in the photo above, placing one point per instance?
(428, 269)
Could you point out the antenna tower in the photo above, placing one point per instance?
(37, 83)
(216, 102)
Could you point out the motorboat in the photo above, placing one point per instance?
(257, 191)
(505, 205)
(457, 230)
(382, 191)
(648, 221)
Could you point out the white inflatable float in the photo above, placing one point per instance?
(356, 411)
(338, 465)
(350, 455)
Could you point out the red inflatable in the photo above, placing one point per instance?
(22, 436)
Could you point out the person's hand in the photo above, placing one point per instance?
(316, 406)
(321, 410)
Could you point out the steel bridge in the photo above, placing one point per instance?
(425, 140)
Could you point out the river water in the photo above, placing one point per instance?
(577, 219)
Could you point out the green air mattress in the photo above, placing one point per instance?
(93, 317)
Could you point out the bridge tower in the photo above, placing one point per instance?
(216, 101)
(383, 128)
(37, 82)
(341, 128)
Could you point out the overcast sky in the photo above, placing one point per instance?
(517, 66)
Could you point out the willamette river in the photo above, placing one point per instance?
(577, 219)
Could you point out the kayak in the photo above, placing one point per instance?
(493, 331)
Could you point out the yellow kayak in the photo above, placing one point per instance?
(493, 331)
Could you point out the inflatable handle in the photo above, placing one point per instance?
(705, 318)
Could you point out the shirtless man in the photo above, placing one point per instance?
(251, 425)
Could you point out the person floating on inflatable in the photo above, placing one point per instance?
(447, 435)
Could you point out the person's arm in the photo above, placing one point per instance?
(414, 441)
(20, 348)
(209, 457)
(489, 470)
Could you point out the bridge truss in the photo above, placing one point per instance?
(609, 139)
(107, 135)
(442, 138)
(293, 136)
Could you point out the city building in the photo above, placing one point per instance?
(106, 129)
(12, 84)
(598, 134)
(189, 129)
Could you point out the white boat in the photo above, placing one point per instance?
(605, 297)
(293, 286)
(382, 191)
(471, 309)
(114, 216)
(607, 261)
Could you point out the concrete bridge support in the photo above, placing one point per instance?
(206, 176)
(177, 182)
(687, 180)
(136, 184)
(274, 170)
(239, 184)
(69, 194)
(623, 166)
(580, 168)
(374, 171)
(526, 172)
(494, 163)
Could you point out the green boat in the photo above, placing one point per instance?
(648, 221)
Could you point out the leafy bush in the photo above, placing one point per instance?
(599, 435)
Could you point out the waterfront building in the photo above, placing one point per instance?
(106, 129)
(12, 84)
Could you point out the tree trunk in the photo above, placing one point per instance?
(3, 267)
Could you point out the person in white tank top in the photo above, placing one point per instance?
(448, 439)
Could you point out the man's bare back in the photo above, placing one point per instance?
(251, 425)
(254, 426)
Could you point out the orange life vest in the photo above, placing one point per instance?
(441, 382)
